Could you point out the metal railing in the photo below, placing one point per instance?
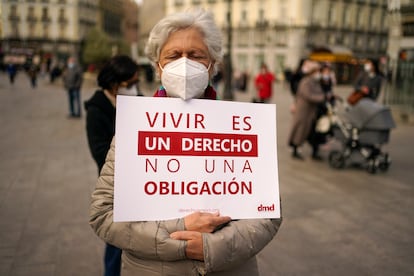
(399, 89)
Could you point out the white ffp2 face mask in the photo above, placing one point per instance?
(184, 78)
(132, 91)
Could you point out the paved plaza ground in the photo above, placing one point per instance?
(336, 222)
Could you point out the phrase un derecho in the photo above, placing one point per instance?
(184, 143)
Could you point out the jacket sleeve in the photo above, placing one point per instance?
(99, 138)
(149, 239)
(237, 242)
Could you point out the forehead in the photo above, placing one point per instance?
(184, 40)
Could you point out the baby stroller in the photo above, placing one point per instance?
(362, 130)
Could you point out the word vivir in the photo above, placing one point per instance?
(190, 120)
(196, 144)
(170, 119)
(198, 188)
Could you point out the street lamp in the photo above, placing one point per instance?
(228, 94)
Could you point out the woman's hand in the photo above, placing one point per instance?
(194, 248)
(204, 222)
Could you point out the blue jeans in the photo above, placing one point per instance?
(74, 102)
(112, 260)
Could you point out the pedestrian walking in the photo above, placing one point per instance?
(72, 79)
(264, 84)
(12, 71)
(119, 76)
(32, 72)
(199, 243)
(308, 96)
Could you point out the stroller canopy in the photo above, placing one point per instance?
(368, 114)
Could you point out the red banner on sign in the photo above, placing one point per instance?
(196, 144)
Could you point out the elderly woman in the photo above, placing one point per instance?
(185, 48)
(309, 95)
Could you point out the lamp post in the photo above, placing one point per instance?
(228, 94)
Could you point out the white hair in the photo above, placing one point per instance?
(199, 19)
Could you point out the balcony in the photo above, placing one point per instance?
(31, 19)
(46, 19)
(408, 29)
(262, 24)
(63, 20)
(14, 18)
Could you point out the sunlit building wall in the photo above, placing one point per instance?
(281, 32)
(49, 27)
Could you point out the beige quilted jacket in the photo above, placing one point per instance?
(148, 250)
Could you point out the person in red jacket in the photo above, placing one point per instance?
(264, 81)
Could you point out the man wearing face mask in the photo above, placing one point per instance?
(119, 76)
(370, 80)
(185, 48)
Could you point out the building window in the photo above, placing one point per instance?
(45, 31)
(242, 62)
(31, 17)
(242, 37)
(331, 14)
(178, 3)
(358, 18)
(45, 15)
(280, 37)
(62, 17)
(279, 65)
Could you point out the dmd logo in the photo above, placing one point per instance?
(264, 208)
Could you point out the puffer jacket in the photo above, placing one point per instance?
(148, 249)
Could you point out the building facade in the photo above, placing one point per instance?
(45, 27)
(57, 28)
(281, 32)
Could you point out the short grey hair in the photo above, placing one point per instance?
(199, 19)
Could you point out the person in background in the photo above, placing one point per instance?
(12, 71)
(297, 76)
(317, 138)
(32, 72)
(119, 76)
(199, 243)
(370, 80)
(309, 95)
(264, 83)
(72, 80)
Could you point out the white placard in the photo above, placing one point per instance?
(175, 157)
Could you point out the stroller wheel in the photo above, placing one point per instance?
(372, 166)
(385, 163)
(336, 159)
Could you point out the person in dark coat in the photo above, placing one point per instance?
(72, 80)
(370, 80)
(12, 71)
(308, 96)
(118, 77)
(296, 77)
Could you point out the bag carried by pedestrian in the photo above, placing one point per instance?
(354, 97)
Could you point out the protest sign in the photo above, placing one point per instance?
(175, 157)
